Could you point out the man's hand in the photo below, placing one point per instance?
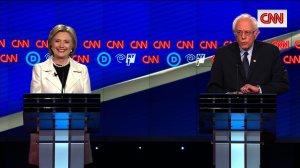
(249, 89)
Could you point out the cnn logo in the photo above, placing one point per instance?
(272, 18)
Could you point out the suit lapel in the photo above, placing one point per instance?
(254, 58)
(237, 58)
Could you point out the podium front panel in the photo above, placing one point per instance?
(62, 121)
(236, 123)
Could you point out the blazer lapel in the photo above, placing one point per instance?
(50, 74)
(74, 75)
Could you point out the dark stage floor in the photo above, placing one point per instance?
(150, 152)
(191, 154)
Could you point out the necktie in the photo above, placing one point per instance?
(246, 63)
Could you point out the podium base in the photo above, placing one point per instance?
(33, 158)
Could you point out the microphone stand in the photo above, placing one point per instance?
(63, 83)
(237, 78)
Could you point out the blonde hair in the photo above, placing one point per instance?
(63, 28)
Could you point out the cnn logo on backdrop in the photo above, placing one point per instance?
(272, 18)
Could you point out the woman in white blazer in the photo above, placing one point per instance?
(60, 73)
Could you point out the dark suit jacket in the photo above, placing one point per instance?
(266, 69)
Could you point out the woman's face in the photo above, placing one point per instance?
(61, 45)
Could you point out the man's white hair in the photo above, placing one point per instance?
(243, 16)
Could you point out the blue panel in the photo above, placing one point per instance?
(222, 121)
(61, 120)
(46, 121)
(254, 121)
(77, 121)
(238, 121)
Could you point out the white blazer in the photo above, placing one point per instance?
(44, 80)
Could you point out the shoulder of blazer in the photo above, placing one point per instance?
(77, 66)
(45, 66)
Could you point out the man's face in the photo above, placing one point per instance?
(245, 33)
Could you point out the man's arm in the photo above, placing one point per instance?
(215, 84)
(279, 77)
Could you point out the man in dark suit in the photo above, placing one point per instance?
(248, 65)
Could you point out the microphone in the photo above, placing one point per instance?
(61, 80)
(237, 78)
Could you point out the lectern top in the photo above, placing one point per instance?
(67, 102)
(237, 103)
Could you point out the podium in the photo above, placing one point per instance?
(61, 123)
(237, 122)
